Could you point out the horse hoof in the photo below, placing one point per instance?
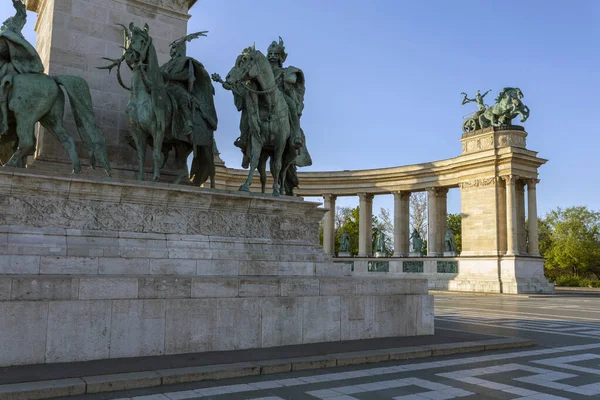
(276, 193)
(244, 188)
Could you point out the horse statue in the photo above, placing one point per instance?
(508, 106)
(268, 118)
(28, 96)
(154, 110)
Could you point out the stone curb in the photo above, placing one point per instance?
(134, 380)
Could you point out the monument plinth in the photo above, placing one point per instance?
(94, 268)
(72, 38)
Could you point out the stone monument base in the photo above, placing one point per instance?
(99, 268)
(344, 254)
(505, 274)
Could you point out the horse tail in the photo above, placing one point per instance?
(203, 164)
(81, 104)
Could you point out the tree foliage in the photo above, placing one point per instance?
(570, 242)
(454, 222)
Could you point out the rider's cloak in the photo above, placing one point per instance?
(21, 54)
(177, 71)
(296, 92)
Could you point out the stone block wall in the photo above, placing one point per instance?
(479, 208)
(72, 38)
(76, 318)
(93, 269)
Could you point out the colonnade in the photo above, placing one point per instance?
(511, 204)
(516, 236)
(437, 210)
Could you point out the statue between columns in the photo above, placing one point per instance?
(380, 244)
(416, 241)
(450, 244)
(344, 245)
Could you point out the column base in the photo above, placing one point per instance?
(517, 275)
(524, 275)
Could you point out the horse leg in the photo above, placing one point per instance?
(140, 139)
(53, 123)
(26, 134)
(157, 155)
(182, 151)
(262, 170)
(254, 158)
(276, 165)
(483, 122)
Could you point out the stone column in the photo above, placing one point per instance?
(365, 228)
(521, 231)
(432, 223)
(401, 223)
(532, 216)
(72, 38)
(442, 196)
(329, 225)
(512, 234)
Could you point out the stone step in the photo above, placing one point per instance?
(133, 380)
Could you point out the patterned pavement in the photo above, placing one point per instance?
(566, 364)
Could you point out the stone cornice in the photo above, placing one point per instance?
(178, 6)
(449, 173)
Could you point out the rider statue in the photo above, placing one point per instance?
(188, 82)
(291, 83)
(478, 99)
(17, 56)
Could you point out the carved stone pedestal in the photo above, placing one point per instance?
(94, 268)
(494, 137)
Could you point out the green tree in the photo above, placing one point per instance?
(571, 242)
(454, 222)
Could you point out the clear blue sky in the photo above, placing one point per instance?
(384, 78)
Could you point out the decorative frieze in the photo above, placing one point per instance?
(512, 139)
(478, 183)
(483, 142)
(415, 267)
(180, 6)
(489, 138)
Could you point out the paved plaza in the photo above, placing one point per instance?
(565, 364)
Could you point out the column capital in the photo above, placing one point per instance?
(438, 190)
(510, 179)
(402, 194)
(329, 196)
(365, 196)
(531, 183)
